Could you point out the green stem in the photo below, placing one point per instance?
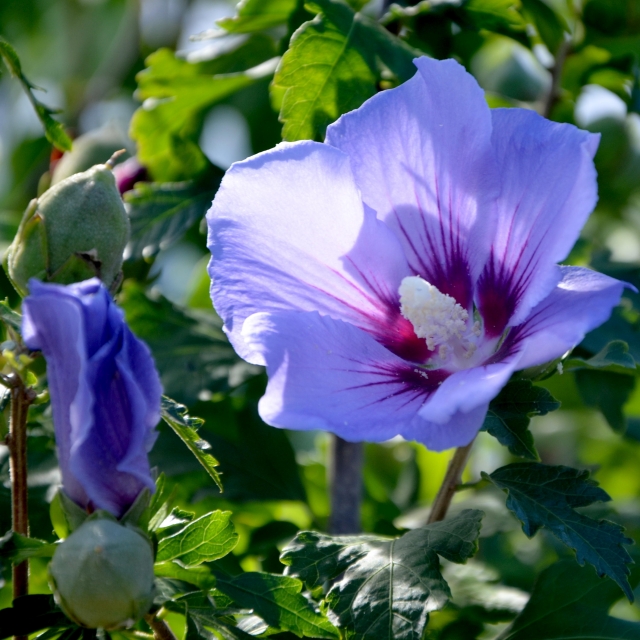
(161, 630)
(556, 78)
(21, 398)
(345, 482)
(449, 484)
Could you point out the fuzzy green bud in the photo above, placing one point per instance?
(102, 575)
(74, 231)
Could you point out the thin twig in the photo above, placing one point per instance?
(556, 78)
(449, 484)
(161, 630)
(345, 481)
(21, 398)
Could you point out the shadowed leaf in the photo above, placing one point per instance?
(547, 496)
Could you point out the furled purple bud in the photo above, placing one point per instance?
(102, 575)
(105, 392)
(128, 173)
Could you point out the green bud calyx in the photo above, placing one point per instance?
(102, 575)
(76, 230)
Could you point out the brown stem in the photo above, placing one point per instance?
(556, 78)
(21, 398)
(345, 481)
(161, 630)
(449, 484)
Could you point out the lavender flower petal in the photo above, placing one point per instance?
(549, 189)
(288, 231)
(328, 374)
(582, 301)
(422, 158)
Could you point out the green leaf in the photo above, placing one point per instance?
(279, 602)
(176, 416)
(30, 614)
(265, 470)
(200, 577)
(205, 611)
(15, 548)
(331, 67)
(493, 15)
(66, 515)
(161, 213)
(388, 587)
(208, 538)
(606, 381)
(176, 95)
(10, 317)
(189, 347)
(257, 15)
(608, 392)
(550, 25)
(570, 602)
(53, 130)
(547, 496)
(510, 413)
(614, 357)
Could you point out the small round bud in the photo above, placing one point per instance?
(102, 575)
(76, 230)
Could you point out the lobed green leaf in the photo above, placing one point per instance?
(388, 587)
(547, 496)
(510, 413)
(161, 213)
(571, 603)
(279, 602)
(257, 15)
(331, 67)
(210, 537)
(176, 95)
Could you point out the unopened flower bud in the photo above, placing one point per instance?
(89, 149)
(128, 173)
(102, 575)
(76, 230)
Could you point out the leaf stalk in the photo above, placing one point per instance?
(450, 484)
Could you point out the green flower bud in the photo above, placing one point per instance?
(76, 230)
(102, 575)
(90, 149)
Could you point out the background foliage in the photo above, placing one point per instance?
(126, 72)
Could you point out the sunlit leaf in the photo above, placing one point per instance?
(331, 67)
(176, 95)
(14, 548)
(54, 131)
(176, 416)
(257, 15)
(279, 601)
(388, 586)
(208, 538)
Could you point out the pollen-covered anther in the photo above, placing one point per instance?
(435, 316)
